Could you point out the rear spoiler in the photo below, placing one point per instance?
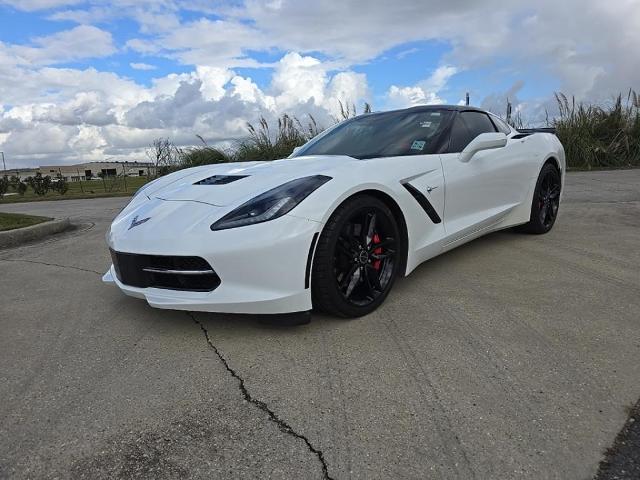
(537, 130)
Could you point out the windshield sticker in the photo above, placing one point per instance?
(425, 124)
(418, 145)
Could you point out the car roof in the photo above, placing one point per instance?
(426, 108)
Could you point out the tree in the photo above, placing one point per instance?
(164, 155)
(4, 185)
(40, 185)
(61, 186)
(21, 187)
(13, 181)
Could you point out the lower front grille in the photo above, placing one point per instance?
(161, 271)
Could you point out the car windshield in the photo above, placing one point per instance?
(387, 134)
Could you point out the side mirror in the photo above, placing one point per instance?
(484, 141)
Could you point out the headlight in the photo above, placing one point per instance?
(271, 204)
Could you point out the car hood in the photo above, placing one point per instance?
(230, 183)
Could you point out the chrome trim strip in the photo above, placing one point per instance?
(177, 272)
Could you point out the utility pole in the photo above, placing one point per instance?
(467, 99)
(4, 165)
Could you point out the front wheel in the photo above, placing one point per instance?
(546, 201)
(356, 259)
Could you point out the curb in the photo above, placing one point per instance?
(13, 238)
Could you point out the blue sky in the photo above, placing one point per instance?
(83, 80)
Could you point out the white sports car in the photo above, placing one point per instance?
(333, 225)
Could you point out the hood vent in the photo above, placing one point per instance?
(220, 179)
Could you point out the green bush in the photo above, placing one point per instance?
(596, 136)
(205, 155)
(4, 185)
(40, 185)
(21, 188)
(60, 185)
(262, 145)
(593, 136)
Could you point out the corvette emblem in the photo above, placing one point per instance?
(135, 222)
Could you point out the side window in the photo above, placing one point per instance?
(460, 135)
(502, 126)
(477, 123)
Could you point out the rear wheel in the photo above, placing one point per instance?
(357, 258)
(546, 201)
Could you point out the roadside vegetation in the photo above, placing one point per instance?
(599, 136)
(13, 190)
(594, 137)
(11, 221)
(263, 142)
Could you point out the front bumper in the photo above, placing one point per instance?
(261, 267)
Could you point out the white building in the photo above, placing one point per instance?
(85, 171)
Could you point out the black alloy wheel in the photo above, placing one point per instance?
(356, 260)
(549, 200)
(546, 201)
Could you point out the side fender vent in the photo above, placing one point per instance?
(220, 179)
(424, 203)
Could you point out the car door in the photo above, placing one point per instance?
(480, 192)
(423, 179)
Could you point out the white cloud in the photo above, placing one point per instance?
(426, 92)
(81, 42)
(32, 5)
(85, 113)
(88, 114)
(142, 66)
(299, 79)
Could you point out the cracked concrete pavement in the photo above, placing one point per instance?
(512, 356)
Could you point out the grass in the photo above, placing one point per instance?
(599, 137)
(595, 137)
(110, 187)
(11, 221)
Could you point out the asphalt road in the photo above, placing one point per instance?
(514, 356)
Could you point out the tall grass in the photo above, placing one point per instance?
(597, 136)
(594, 136)
(262, 144)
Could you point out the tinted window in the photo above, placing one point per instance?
(477, 123)
(502, 126)
(460, 135)
(385, 135)
(467, 126)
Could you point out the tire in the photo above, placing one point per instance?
(545, 203)
(357, 258)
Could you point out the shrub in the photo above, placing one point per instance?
(21, 188)
(599, 136)
(262, 145)
(4, 185)
(60, 185)
(40, 185)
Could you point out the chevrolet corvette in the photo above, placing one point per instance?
(332, 226)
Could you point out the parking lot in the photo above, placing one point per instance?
(513, 356)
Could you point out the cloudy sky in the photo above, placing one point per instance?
(91, 80)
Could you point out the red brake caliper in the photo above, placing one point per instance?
(377, 251)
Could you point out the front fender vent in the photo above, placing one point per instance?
(220, 179)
